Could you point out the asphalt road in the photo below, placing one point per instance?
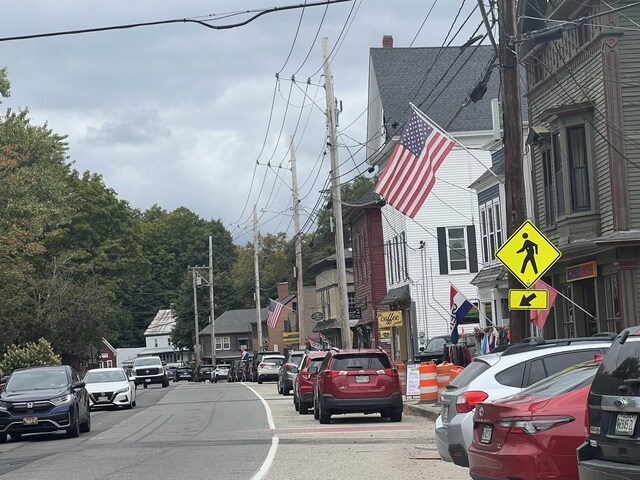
(225, 431)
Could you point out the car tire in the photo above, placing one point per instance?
(3, 438)
(85, 426)
(74, 430)
(396, 416)
(323, 416)
(296, 405)
(165, 383)
(15, 436)
(286, 391)
(133, 404)
(144, 385)
(259, 381)
(315, 412)
(303, 408)
(279, 388)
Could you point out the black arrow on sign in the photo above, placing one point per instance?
(526, 301)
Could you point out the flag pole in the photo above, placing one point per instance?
(575, 304)
(444, 132)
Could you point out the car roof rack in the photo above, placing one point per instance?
(533, 343)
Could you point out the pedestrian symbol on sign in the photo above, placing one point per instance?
(531, 250)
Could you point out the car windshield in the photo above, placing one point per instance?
(141, 362)
(564, 381)
(105, 376)
(295, 358)
(273, 360)
(470, 372)
(36, 380)
(360, 362)
(436, 344)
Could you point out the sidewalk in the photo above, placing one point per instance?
(413, 406)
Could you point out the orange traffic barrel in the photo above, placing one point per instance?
(428, 382)
(402, 373)
(454, 372)
(442, 375)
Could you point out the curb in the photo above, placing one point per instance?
(419, 411)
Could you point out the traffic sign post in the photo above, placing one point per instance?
(528, 254)
(528, 299)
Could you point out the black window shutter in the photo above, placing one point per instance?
(473, 253)
(443, 257)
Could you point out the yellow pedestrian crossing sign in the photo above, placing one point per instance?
(528, 299)
(528, 254)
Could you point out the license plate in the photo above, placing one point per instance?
(625, 424)
(147, 380)
(487, 432)
(102, 399)
(30, 420)
(362, 378)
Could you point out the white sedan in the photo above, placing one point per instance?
(110, 387)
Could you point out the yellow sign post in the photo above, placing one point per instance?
(528, 254)
(528, 299)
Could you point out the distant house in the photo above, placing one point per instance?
(108, 355)
(158, 339)
(126, 356)
(232, 335)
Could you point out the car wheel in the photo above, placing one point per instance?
(133, 404)
(303, 408)
(323, 415)
(74, 430)
(14, 436)
(144, 385)
(279, 388)
(165, 383)
(3, 438)
(296, 405)
(396, 416)
(315, 412)
(86, 425)
(286, 391)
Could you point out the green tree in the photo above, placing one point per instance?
(31, 354)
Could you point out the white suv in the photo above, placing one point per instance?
(269, 367)
(498, 375)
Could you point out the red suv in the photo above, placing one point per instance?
(303, 383)
(352, 381)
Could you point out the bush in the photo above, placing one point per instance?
(30, 355)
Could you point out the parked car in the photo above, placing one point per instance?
(204, 373)
(269, 366)
(148, 370)
(256, 358)
(498, 375)
(44, 399)
(110, 387)
(303, 383)
(433, 351)
(286, 375)
(533, 434)
(220, 372)
(356, 381)
(170, 369)
(183, 373)
(612, 449)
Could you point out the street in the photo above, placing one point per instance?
(223, 431)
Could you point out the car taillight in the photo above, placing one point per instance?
(306, 375)
(332, 373)
(533, 425)
(263, 365)
(467, 401)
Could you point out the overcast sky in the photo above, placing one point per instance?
(177, 115)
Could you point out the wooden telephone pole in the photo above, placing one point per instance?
(512, 140)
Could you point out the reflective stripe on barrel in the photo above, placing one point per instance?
(428, 382)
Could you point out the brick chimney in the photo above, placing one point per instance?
(283, 290)
(387, 41)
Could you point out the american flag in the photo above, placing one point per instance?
(411, 171)
(274, 313)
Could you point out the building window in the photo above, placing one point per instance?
(558, 174)
(457, 244)
(156, 341)
(218, 343)
(351, 297)
(109, 363)
(490, 229)
(578, 168)
(547, 173)
(226, 343)
(390, 263)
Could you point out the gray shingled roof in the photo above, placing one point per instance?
(400, 72)
(232, 321)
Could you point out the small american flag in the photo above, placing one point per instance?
(274, 313)
(410, 173)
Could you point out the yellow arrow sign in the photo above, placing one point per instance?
(528, 254)
(528, 299)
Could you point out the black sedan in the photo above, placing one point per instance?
(183, 373)
(44, 399)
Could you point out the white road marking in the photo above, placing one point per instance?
(266, 465)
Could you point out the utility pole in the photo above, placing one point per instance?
(257, 274)
(296, 225)
(514, 180)
(343, 303)
(211, 308)
(196, 347)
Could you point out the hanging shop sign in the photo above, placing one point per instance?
(389, 319)
(582, 271)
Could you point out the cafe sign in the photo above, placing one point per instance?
(390, 319)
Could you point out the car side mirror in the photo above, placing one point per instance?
(395, 366)
(78, 385)
(164, 364)
(294, 369)
(313, 370)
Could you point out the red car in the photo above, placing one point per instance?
(303, 383)
(533, 434)
(362, 381)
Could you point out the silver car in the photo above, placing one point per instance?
(498, 375)
(286, 374)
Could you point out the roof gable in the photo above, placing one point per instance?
(162, 324)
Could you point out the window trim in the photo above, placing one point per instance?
(450, 249)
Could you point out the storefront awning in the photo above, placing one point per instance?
(396, 295)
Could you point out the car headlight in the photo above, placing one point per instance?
(4, 405)
(122, 390)
(62, 399)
